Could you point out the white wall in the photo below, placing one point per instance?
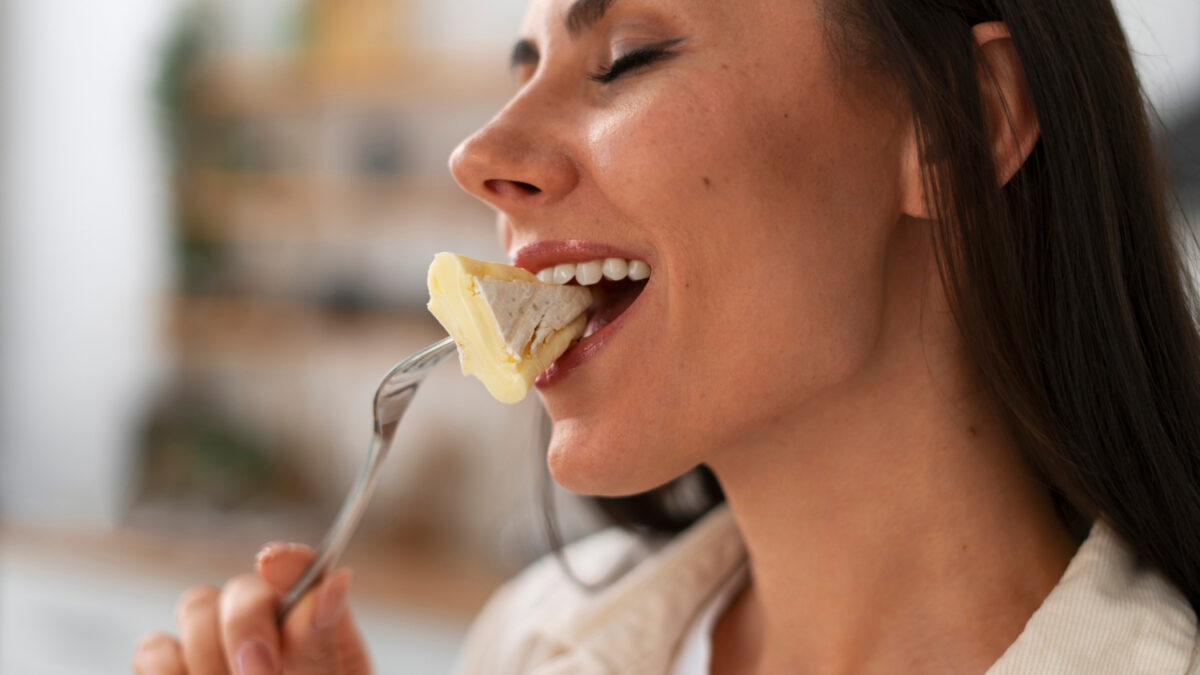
(1165, 38)
(467, 25)
(82, 254)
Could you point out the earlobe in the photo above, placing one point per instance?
(913, 201)
(1011, 118)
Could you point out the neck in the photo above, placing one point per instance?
(891, 525)
(890, 542)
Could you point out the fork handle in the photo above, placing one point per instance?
(391, 400)
(338, 536)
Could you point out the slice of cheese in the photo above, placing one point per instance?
(509, 327)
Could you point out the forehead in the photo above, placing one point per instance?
(546, 19)
(563, 16)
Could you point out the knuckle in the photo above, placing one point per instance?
(196, 600)
(246, 604)
(242, 584)
(157, 653)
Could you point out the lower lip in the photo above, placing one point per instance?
(585, 349)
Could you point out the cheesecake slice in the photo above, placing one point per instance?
(509, 327)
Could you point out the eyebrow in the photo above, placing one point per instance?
(582, 15)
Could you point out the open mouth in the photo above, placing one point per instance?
(615, 284)
(609, 300)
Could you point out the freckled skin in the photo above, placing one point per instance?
(765, 291)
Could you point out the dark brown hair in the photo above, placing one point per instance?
(1068, 284)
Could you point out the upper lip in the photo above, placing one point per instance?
(542, 254)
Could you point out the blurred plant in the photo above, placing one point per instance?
(185, 50)
(197, 261)
(195, 453)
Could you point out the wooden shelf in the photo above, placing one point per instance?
(266, 332)
(205, 546)
(224, 206)
(243, 84)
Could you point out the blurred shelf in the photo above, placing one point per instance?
(265, 332)
(248, 84)
(208, 547)
(298, 206)
(310, 192)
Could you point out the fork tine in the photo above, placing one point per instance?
(435, 353)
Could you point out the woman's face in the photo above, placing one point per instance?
(761, 186)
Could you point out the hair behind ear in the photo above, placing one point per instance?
(1067, 284)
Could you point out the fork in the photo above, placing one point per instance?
(392, 397)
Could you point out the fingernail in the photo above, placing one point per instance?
(253, 658)
(273, 548)
(332, 601)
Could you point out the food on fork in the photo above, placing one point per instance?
(509, 327)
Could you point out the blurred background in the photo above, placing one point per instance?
(215, 221)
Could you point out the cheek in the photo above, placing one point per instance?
(650, 151)
(777, 278)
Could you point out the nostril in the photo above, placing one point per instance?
(511, 188)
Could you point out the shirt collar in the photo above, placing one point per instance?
(635, 625)
(1107, 615)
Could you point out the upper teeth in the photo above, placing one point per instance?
(590, 272)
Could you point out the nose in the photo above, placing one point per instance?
(517, 161)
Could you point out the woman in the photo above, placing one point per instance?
(914, 301)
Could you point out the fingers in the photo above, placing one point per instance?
(158, 654)
(234, 630)
(319, 635)
(321, 608)
(200, 631)
(247, 608)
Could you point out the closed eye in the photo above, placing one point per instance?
(638, 58)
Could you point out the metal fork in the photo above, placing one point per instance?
(392, 397)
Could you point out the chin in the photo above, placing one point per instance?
(588, 460)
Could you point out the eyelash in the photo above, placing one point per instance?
(638, 58)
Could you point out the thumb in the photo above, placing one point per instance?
(281, 565)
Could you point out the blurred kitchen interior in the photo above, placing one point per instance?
(216, 221)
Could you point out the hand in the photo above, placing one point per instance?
(233, 631)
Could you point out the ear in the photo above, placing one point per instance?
(1008, 110)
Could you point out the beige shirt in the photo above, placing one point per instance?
(1107, 615)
